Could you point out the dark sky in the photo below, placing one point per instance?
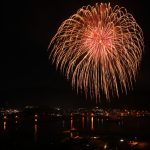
(27, 76)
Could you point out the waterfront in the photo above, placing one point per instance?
(74, 131)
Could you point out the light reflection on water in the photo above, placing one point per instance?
(5, 125)
(35, 132)
(92, 123)
(49, 128)
(83, 120)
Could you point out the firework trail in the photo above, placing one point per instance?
(99, 49)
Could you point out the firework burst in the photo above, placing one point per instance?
(99, 49)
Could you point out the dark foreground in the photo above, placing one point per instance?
(74, 132)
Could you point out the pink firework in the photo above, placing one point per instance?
(99, 49)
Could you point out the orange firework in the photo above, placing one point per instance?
(99, 49)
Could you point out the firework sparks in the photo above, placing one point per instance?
(99, 49)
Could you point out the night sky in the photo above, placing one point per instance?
(27, 76)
